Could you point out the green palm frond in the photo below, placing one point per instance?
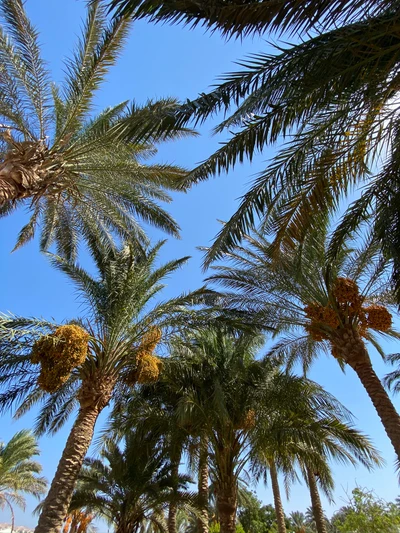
(240, 18)
(19, 474)
(32, 67)
(93, 170)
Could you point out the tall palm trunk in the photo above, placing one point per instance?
(94, 396)
(316, 504)
(352, 348)
(202, 522)
(12, 514)
(173, 506)
(280, 515)
(227, 504)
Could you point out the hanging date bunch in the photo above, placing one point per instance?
(248, 421)
(58, 354)
(345, 309)
(148, 366)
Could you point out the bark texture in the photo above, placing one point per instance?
(227, 505)
(352, 349)
(93, 397)
(280, 515)
(25, 170)
(202, 522)
(173, 506)
(316, 504)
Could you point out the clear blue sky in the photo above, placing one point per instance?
(159, 61)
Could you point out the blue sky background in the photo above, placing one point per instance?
(158, 61)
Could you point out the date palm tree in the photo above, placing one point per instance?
(19, 474)
(242, 405)
(124, 321)
(311, 439)
(334, 93)
(73, 169)
(299, 294)
(155, 408)
(131, 485)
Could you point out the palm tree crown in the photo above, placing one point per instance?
(19, 474)
(76, 171)
(128, 486)
(315, 304)
(93, 361)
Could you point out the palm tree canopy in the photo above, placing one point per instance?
(122, 304)
(242, 17)
(19, 474)
(128, 486)
(334, 97)
(274, 287)
(75, 170)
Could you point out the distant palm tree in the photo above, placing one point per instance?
(131, 486)
(314, 306)
(73, 170)
(300, 523)
(18, 473)
(123, 323)
(312, 436)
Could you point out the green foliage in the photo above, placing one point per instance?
(365, 513)
(130, 486)
(19, 474)
(121, 306)
(255, 517)
(91, 174)
(271, 287)
(215, 527)
(242, 18)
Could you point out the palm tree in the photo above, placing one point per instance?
(299, 522)
(316, 306)
(243, 406)
(153, 409)
(74, 170)
(335, 93)
(19, 474)
(89, 363)
(311, 438)
(129, 486)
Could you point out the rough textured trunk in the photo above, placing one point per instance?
(94, 396)
(316, 504)
(227, 505)
(202, 522)
(280, 515)
(23, 171)
(173, 506)
(352, 348)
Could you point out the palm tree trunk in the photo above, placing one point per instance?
(173, 506)
(12, 515)
(316, 504)
(227, 505)
(94, 396)
(354, 352)
(202, 522)
(280, 515)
